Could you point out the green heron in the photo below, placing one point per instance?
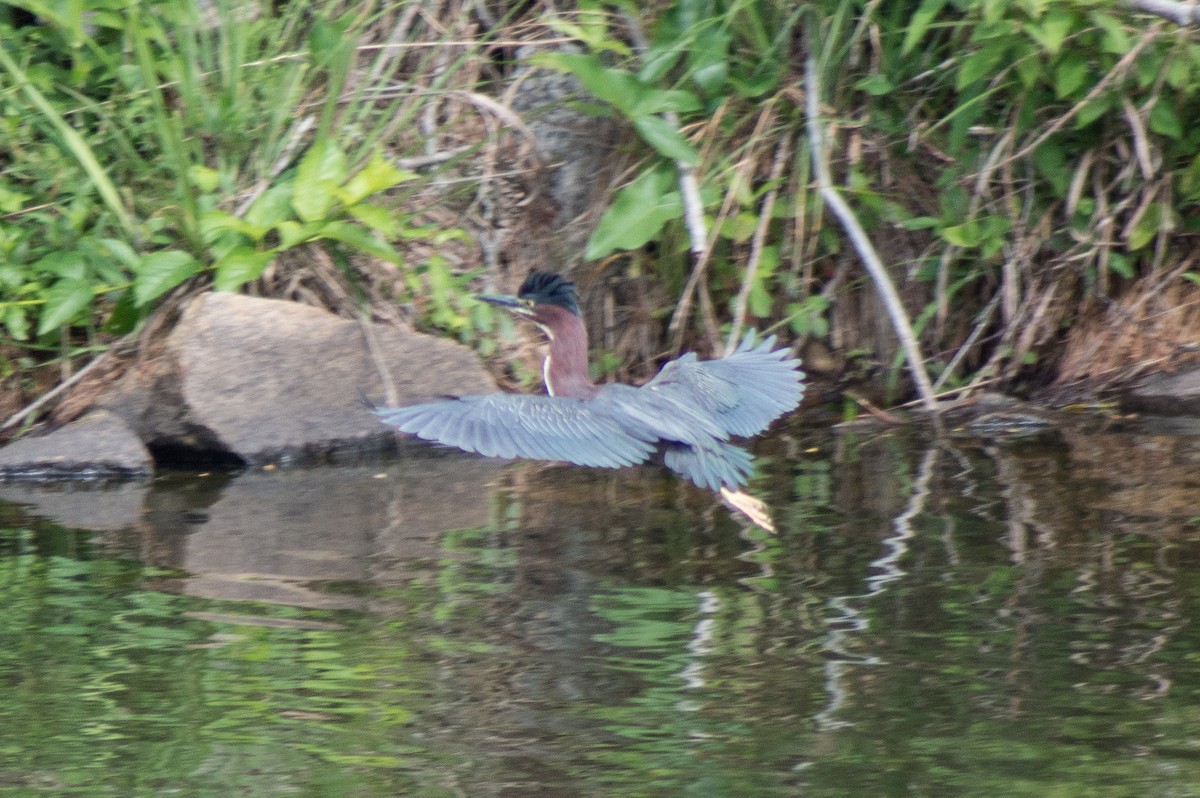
(689, 411)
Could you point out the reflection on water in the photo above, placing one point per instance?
(966, 618)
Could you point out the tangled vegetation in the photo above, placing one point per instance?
(1025, 169)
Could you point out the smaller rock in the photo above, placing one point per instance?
(1168, 394)
(98, 446)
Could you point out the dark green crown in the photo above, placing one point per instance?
(545, 288)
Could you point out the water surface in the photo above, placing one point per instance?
(959, 618)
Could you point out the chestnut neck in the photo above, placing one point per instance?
(566, 368)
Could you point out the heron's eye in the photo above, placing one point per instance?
(528, 302)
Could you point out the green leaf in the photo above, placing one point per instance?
(1147, 227)
(1116, 40)
(708, 59)
(360, 239)
(239, 266)
(656, 101)
(981, 64)
(125, 315)
(962, 235)
(662, 136)
(292, 233)
(1069, 75)
(379, 174)
(121, 251)
(321, 171)
(214, 224)
(62, 264)
(637, 215)
(273, 207)
(378, 219)
(64, 301)
(919, 23)
(204, 178)
(1164, 121)
(1053, 29)
(17, 322)
(876, 85)
(615, 87)
(161, 271)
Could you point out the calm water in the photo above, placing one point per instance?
(974, 618)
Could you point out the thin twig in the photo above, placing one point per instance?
(862, 244)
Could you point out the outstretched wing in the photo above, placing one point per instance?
(519, 425)
(742, 392)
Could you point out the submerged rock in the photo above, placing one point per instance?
(97, 446)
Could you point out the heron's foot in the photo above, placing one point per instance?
(754, 509)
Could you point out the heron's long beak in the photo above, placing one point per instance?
(510, 303)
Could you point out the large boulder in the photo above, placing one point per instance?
(263, 380)
(97, 446)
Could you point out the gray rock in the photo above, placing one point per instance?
(97, 446)
(1171, 394)
(265, 381)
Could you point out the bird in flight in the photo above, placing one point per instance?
(689, 411)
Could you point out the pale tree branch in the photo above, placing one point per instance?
(862, 244)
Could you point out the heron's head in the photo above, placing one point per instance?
(548, 300)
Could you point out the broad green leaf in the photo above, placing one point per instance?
(1116, 40)
(125, 315)
(708, 60)
(662, 136)
(273, 207)
(204, 178)
(962, 235)
(637, 214)
(121, 251)
(378, 219)
(876, 85)
(1052, 30)
(981, 64)
(161, 271)
(379, 174)
(661, 59)
(215, 223)
(62, 264)
(1092, 110)
(321, 171)
(1069, 75)
(17, 321)
(919, 24)
(920, 223)
(1119, 264)
(360, 239)
(1164, 121)
(64, 301)
(1147, 227)
(239, 266)
(656, 101)
(615, 87)
(292, 233)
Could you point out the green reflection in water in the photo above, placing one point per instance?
(976, 622)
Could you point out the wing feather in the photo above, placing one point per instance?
(743, 392)
(517, 425)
